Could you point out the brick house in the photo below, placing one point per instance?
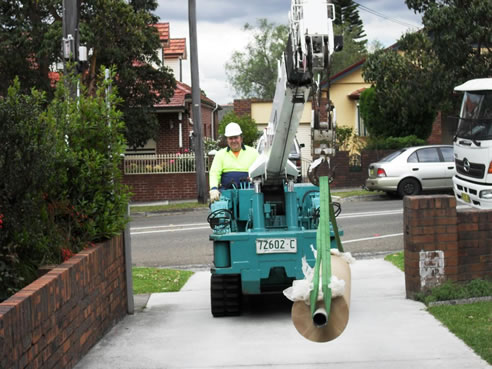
(165, 174)
(175, 116)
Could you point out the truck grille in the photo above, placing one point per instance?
(475, 170)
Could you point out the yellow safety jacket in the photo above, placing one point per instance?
(228, 170)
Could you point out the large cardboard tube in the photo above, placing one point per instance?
(339, 311)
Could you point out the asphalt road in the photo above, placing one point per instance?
(181, 240)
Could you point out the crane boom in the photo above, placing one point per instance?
(309, 47)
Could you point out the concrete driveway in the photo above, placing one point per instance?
(385, 330)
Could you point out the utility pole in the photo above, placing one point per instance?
(70, 43)
(195, 101)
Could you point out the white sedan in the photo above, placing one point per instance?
(412, 170)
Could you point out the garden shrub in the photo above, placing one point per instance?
(343, 136)
(247, 124)
(393, 143)
(26, 165)
(60, 187)
(89, 198)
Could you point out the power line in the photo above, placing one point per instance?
(381, 15)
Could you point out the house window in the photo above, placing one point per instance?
(361, 128)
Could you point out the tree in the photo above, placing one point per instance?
(403, 101)
(347, 16)
(30, 41)
(351, 53)
(247, 124)
(459, 34)
(119, 33)
(253, 73)
(409, 88)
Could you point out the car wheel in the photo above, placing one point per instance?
(408, 187)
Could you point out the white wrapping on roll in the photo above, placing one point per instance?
(301, 289)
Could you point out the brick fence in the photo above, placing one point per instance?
(182, 186)
(162, 187)
(347, 176)
(442, 243)
(54, 321)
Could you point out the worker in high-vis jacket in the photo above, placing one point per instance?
(231, 164)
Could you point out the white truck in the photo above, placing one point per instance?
(472, 182)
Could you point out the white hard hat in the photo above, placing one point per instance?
(233, 129)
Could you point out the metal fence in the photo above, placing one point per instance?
(160, 164)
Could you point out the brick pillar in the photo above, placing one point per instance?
(430, 241)
(475, 241)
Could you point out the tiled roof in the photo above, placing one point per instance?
(176, 47)
(356, 94)
(163, 29)
(181, 93)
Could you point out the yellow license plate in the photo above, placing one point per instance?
(465, 197)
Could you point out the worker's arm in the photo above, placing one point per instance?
(216, 170)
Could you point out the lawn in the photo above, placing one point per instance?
(470, 322)
(153, 280)
(397, 259)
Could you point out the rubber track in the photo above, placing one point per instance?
(225, 294)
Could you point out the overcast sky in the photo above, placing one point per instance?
(220, 31)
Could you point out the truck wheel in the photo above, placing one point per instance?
(408, 187)
(225, 294)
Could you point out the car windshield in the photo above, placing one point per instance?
(393, 155)
(475, 122)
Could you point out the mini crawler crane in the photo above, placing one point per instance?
(263, 228)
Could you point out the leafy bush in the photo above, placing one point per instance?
(343, 135)
(247, 124)
(60, 187)
(393, 143)
(210, 144)
(90, 200)
(28, 146)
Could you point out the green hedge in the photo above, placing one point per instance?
(60, 187)
(393, 143)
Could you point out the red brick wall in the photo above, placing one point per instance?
(54, 321)
(182, 186)
(242, 107)
(161, 187)
(168, 138)
(441, 243)
(168, 135)
(346, 176)
(475, 244)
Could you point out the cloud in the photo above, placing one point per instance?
(220, 31)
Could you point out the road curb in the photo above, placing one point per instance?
(159, 212)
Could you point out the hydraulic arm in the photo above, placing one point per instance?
(309, 47)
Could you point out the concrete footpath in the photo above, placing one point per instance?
(385, 331)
